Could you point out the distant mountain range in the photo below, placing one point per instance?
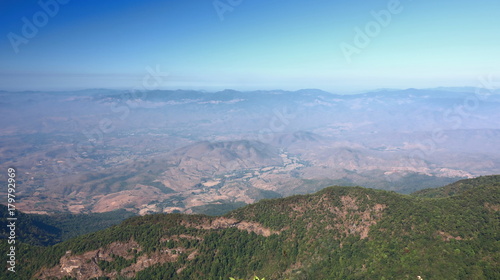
(189, 151)
(451, 232)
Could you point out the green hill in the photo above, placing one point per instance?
(336, 233)
(459, 187)
(44, 230)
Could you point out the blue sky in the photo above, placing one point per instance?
(272, 44)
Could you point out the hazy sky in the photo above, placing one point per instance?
(336, 46)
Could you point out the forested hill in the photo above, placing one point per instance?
(46, 230)
(460, 187)
(337, 233)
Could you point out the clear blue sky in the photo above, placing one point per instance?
(271, 44)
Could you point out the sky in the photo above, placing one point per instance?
(337, 46)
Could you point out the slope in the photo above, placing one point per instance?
(459, 187)
(336, 233)
(45, 230)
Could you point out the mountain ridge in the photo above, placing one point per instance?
(338, 232)
(308, 139)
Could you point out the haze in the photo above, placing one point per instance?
(183, 106)
(248, 45)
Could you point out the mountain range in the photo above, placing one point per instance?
(187, 151)
(450, 232)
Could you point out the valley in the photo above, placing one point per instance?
(102, 150)
(250, 140)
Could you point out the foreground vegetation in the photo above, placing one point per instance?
(338, 233)
(45, 230)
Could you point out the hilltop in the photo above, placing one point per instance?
(460, 187)
(336, 233)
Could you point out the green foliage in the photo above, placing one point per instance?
(254, 278)
(459, 187)
(337, 233)
(117, 264)
(45, 230)
(217, 209)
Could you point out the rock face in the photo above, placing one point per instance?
(92, 264)
(86, 265)
(223, 223)
(345, 215)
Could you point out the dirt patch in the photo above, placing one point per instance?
(80, 267)
(86, 265)
(350, 220)
(349, 202)
(138, 197)
(192, 255)
(447, 237)
(145, 261)
(223, 223)
(492, 207)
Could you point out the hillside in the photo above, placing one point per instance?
(459, 187)
(44, 230)
(336, 233)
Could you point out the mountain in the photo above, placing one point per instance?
(167, 151)
(336, 233)
(45, 230)
(209, 159)
(460, 187)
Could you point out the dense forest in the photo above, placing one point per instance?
(451, 232)
(47, 230)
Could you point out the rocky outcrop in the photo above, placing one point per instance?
(87, 265)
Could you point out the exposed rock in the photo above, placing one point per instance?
(86, 265)
(222, 223)
(447, 237)
(492, 207)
